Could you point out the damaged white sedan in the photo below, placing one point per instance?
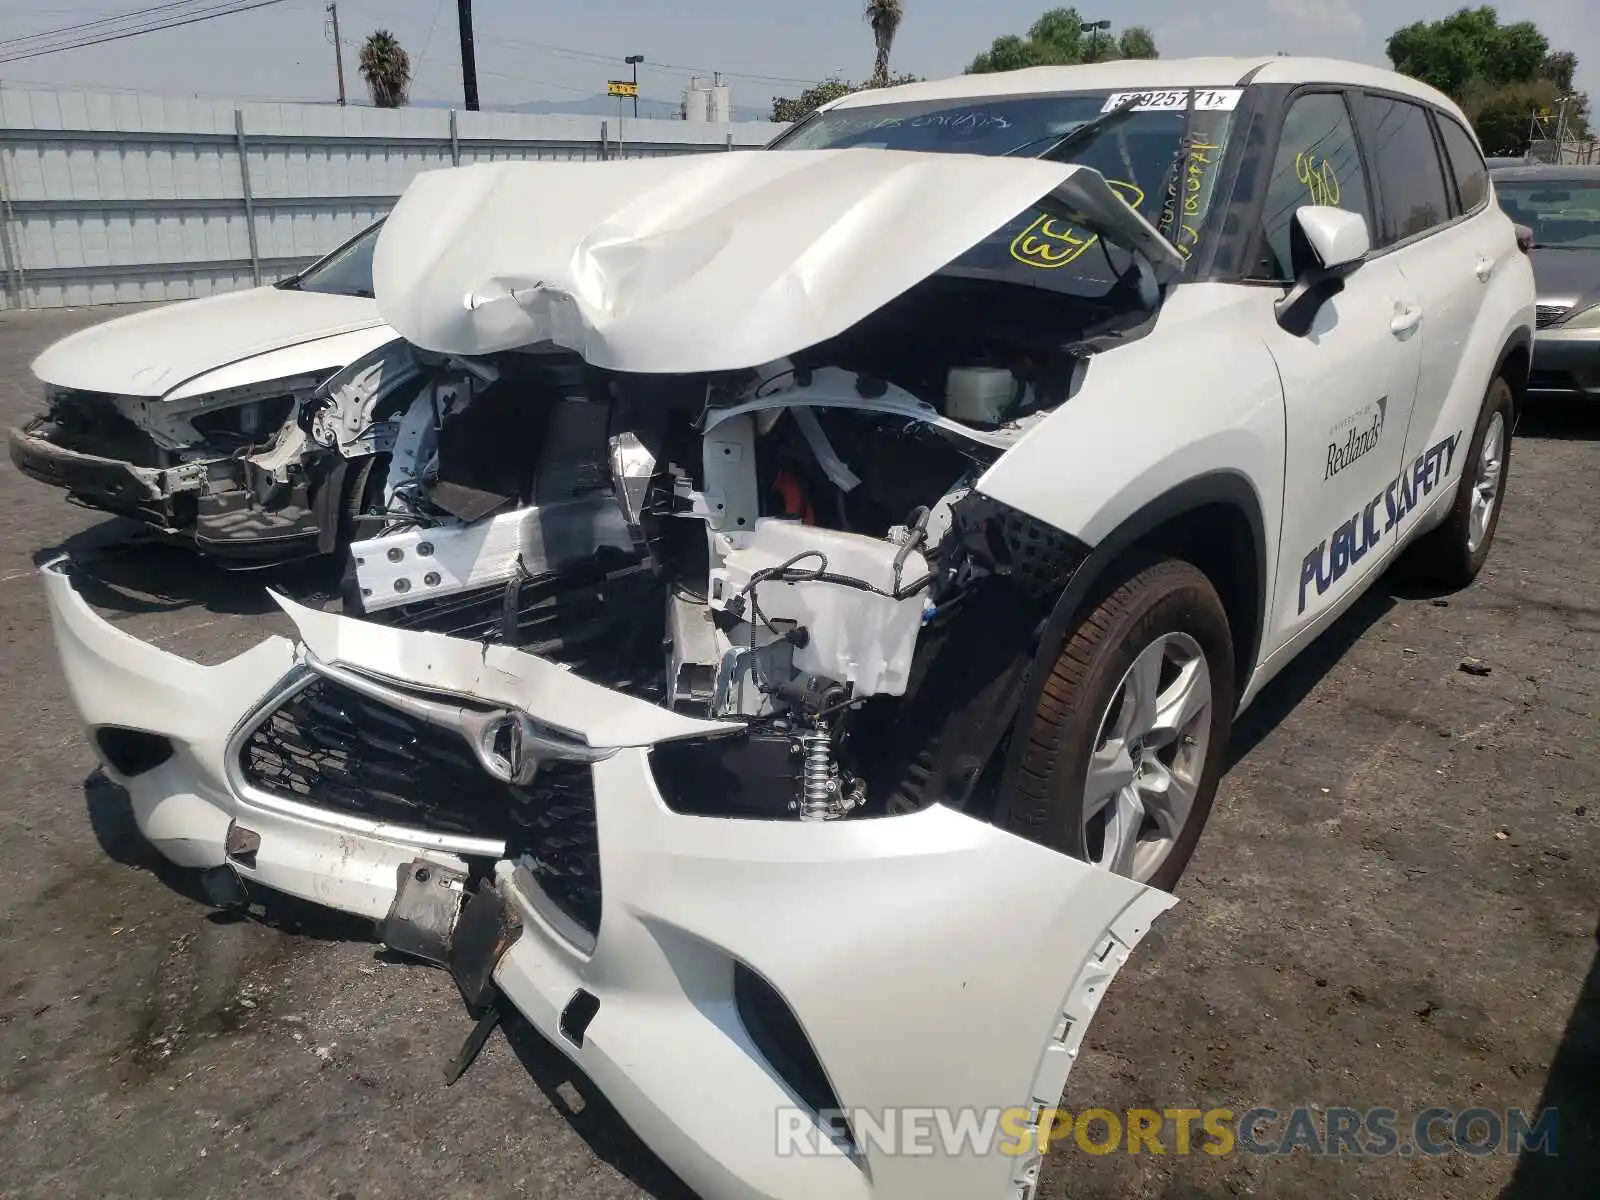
(192, 418)
(792, 655)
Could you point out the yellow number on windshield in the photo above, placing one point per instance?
(1050, 242)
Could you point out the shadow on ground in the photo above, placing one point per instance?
(589, 1113)
(1573, 420)
(1573, 1091)
(120, 569)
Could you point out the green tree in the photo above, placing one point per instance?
(1501, 75)
(1470, 44)
(1137, 42)
(787, 109)
(884, 16)
(387, 69)
(1057, 39)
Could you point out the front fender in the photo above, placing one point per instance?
(1185, 401)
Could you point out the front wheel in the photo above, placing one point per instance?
(1127, 744)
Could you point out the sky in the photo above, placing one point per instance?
(549, 50)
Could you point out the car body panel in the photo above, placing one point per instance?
(1155, 386)
(154, 352)
(698, 263)
(318, 355)
(887, 953)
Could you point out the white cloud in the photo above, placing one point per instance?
(1317, 18)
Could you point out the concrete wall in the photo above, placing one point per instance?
(108, 197)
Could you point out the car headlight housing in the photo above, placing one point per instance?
(243, 424)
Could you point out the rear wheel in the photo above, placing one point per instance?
(1451, 556)
(1127, 744)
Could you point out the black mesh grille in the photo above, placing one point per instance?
(605, 624)
(336, 749)
(1546, 315)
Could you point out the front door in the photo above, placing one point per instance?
(1348, 383)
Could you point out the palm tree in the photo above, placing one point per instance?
(387, 69)
(884, 16)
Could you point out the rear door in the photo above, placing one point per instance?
(1430, 225)
(1348, 382)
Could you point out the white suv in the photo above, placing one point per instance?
(795, 648)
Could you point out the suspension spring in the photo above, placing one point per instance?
(820, 785)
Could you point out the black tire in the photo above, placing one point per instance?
(1442, 558)
(1169, 596)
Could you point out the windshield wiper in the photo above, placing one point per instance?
(1082, 133)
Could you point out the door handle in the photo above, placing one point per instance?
(1405, 319)
(1484, 269)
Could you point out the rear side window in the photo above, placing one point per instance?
(1405, 162)
(1317, 163)
(1466, 164)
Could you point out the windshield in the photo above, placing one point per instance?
(345, 272)
(1140, 151)
(1561, 212)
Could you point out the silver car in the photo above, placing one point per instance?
(1561, 205)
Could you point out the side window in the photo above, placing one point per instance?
(1466, 163)
(1406, 162)
(1317, 163)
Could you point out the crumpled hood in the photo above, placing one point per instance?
(152, 352)
(704, 262)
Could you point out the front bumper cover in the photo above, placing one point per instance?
(1566, 362)
(930, 959)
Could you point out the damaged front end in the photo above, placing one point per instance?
(225, 470)
(672, 690)
(799, 544)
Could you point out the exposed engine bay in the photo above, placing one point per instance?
(797, 547)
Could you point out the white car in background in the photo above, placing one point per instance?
(190, 417)
(796, 643)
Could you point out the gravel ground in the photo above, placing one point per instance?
(1394, 904)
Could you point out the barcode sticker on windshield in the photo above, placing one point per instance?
(1205, 100)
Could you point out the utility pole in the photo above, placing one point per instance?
(633, 60)
(469, 61)
(338, 47)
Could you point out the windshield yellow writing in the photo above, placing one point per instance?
(1185, 235)
(1051, 242)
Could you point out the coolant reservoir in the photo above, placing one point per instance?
(981, 395)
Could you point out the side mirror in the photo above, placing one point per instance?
(1524, 238)
(1336, 237)
(1327, 243)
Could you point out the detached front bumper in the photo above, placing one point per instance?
(927, 961)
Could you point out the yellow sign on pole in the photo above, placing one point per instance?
(621, 87)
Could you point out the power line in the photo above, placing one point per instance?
(114, 18)
(154, 26)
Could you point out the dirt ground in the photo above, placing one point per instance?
(1394, 904)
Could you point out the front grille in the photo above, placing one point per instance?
(338, 750)
(1546, 315)
(90, 423)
